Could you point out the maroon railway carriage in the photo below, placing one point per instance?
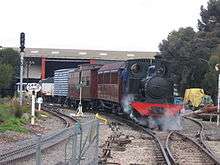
(110, 85)
(73, 84)
(89, 77)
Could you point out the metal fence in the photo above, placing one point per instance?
(77, 145)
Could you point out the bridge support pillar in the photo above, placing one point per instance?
(43, 68)
(92, 61)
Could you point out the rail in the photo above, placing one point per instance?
(193, 141)
(201, 134)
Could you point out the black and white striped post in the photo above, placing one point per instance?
(22, 43)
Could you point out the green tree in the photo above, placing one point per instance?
(210, 81)
(210, 17)
(191, 50)
(178, 44)
(209, 31)
(9, 56)
(187, 53)
(9, 65)
(6, 76)
(209, 27)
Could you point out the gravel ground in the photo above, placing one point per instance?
(141, 149)
(86, 115)
(49, 156)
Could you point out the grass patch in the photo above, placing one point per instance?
(9, 121)
(5, 112)
(13, 124)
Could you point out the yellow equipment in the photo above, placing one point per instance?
(101, 118)
(194, 95)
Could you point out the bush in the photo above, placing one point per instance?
(15, 106)
(11, 116)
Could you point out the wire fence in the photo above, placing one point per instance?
(74, 145)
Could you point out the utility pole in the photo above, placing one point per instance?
(217, 68)
(218, 110)
(22, 43)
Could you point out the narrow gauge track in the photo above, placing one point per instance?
(185, 150)
(29, 146)
(160, 155)
(196, 132)
(67, 120)
(191, 127)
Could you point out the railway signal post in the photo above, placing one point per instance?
(22, 43)
(33, 88)
(79, 110)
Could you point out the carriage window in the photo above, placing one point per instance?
(114, 78)
(106, 78)
(85, 81)
(100, 78)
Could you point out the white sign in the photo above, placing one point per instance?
(34, 87)
(39, 100)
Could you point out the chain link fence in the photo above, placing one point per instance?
(74, 145)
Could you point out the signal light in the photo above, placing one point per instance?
(22, 41)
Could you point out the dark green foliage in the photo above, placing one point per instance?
(191, 52)
(188, 53)
(6, 76)
(178, 44)
(8, 121)
(209, 27)
(210, 81)
(9, 67)
(9, 56)
(210, 17)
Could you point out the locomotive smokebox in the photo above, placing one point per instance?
(158, 89)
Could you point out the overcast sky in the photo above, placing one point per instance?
(133, 25)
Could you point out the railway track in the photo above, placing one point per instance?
(187, 146)
(196, 132)
(158, 153)
(30, 146)
(177, 146)
(184, 150)
(56, 111)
